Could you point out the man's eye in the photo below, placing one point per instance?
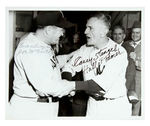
(61, 38)
(90, 28)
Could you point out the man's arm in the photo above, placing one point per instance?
(41, 74)
(62, 59)
(69, 70)
(89, 85)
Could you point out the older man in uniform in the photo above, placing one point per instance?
(104, 62)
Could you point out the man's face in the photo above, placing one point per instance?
(118, 35)
(136, 34)
(54, 33)
(95, 30)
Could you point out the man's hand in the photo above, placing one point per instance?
(96, 95)
(132, 96)
(65, 89)
(133, 55)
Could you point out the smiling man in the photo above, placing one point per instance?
(136, 56)
(118, 34)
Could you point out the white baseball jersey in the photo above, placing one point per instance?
(36, 70)
(107, 67)
(36, 67)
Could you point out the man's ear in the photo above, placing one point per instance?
(48, 29)
(104, 33)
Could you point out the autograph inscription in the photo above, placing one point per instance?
(97, 61)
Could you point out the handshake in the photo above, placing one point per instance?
(90, 87)
(65, 87)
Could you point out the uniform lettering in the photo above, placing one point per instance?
(98, 70)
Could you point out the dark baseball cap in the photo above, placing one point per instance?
(136, 24)
(46, 18)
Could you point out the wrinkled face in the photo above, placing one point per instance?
(136, 34)
(118, 35)
(95, 30)
(54, 33)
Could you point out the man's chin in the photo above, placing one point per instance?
(119, 42)
(89, 44)
(136, 40)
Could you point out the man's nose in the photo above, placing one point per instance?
(118, 36)
(63, 32)
(86, 31)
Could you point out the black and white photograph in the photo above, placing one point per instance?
(74, 63)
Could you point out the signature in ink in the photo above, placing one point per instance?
(96, 62)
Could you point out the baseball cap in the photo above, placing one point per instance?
(46, 18)
(136, 24)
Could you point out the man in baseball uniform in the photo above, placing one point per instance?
(103, 62)
(37, 78)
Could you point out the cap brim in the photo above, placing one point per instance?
(65, 24)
